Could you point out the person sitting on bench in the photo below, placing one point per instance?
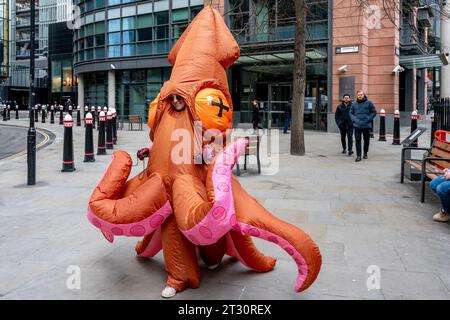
(441, 185)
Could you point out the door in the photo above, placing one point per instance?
(316, 105)
(280, 93)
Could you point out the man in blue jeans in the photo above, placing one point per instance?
(441, 185)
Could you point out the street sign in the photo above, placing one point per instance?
(413, 136)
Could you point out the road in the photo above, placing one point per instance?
(14, 140)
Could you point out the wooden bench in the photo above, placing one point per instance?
(251, 149)
(134, 119)
(431, 166)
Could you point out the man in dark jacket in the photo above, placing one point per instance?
(362, 113)
(344, 123)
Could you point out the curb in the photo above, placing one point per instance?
(49, 137)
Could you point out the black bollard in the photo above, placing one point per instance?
(414, 126)
(44, 115)
(78, 116)
(382, 134)
(52, 114)
(94, 116)
(88, 139)
(70, 109)
(109, 131)
(86, 110)
(17, 111)
(101, 148)
(99, 109)
(114, 125)
(9, 112)
(36, 114)
(5, 118)
(68, 162)
(61, 114)
(396, 140)
(433, 128)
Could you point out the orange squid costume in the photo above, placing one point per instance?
(190, 208)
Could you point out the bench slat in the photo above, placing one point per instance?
(441, 145)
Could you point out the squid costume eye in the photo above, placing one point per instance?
(213, 109)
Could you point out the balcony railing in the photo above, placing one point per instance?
(281, 30)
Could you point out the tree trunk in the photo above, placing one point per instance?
(298, 98)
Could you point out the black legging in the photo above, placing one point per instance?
(366, 136)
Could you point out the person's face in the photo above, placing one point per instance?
(346, 99)
(177, 102)
(360, 95)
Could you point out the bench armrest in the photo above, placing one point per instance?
(412, 148)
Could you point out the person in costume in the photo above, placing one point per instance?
(190, 207)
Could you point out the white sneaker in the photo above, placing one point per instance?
(214, 266)
(441, 217)
(168, 292)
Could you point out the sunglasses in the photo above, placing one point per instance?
(171, 98)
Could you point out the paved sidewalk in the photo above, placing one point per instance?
(358, 213)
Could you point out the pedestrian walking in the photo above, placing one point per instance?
(287, 115)
(255, 115)
(362, 112)
(345, 124)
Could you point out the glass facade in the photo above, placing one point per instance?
(115, 29)
(96, 89)
(135, 89)
(265, 30)
(4, 39)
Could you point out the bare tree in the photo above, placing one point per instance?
(298, 103)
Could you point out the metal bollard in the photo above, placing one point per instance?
(99, 109)
(52, 114)
(88, 139)
(17, 111)
(78, 116)
(382, 134)
(5, 118)
(36, 113)
(43, 115)
(68, 161)
(9, 112)
(414, 126)
(93, 116)
(433, 127)
(70, 109)
(61, 115)
(86, 110)
(114, 125)
(396, 139)
(109, 133)
(101, 148)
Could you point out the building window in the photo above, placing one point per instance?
(145, 21)
(144, 48)
(128, 50)
(128, 36)
(100, 40)
(113, 51)
(113, 2)
(128, 23)
(145, 34)
(100, 27)
(114, 38)
(114, 25)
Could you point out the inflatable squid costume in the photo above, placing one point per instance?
(193, 208)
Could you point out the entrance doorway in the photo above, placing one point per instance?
(316, 104)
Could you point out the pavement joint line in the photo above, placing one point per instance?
(41, 145)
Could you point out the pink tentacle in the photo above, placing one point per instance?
(222, 216)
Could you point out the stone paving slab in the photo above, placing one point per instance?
(358, 213)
